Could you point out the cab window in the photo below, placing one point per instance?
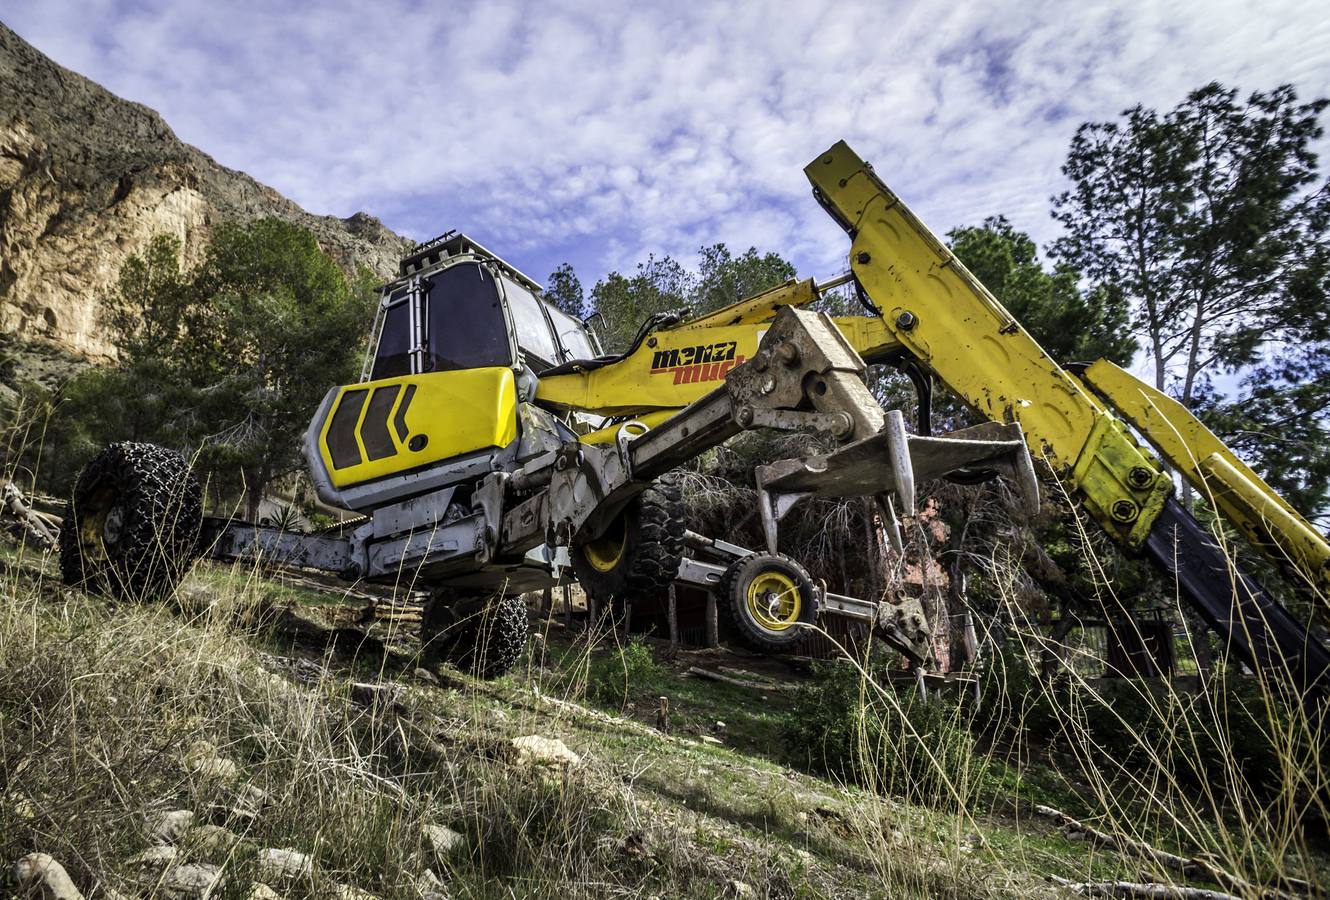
(466, 326)
(533, 329)
(393, 357)
(572, 335)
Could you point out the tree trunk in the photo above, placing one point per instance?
(253, 496)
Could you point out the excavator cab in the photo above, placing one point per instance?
(448, 382)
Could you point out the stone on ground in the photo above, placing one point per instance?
(542, 751)
(189, 882)
(284, 865)
(156, 857)
(39, 876)
(429, 887)
(442, 840)
(169, 827)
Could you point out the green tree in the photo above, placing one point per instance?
(662, 285)
(723, 278)
(228, 359)
(1209, 219)
(1280, 422)
(1212, 219)
(283, 325)
(624, 304)
(564, 290)
(1071, 324)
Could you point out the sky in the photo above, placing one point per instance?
(597, 133)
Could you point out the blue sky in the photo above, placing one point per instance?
(599, 132)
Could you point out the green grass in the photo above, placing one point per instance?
(100, 704)
(752, 719)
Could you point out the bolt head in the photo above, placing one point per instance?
(906, 320)
(863, 257)
(788, 353)
(1140, 477)
(1125, 511)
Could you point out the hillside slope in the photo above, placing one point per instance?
(87, 178)
(258, 729)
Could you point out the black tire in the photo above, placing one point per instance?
(775, 583)
(133, 525)
(648, 537)
(132, 531)
(485, 636)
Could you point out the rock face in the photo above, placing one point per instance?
(87, 179)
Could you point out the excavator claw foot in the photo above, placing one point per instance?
(888, 465)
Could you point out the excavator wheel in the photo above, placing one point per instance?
(638, 555)
(480, 634)
(133, 524)
(767, 598)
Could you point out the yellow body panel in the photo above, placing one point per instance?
(1268, 521)
(393, 425)
(671, 369)
(676, 367)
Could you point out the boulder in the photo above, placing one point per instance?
(37, 875)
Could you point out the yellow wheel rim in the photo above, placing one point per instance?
(606, 551)
(774, 601)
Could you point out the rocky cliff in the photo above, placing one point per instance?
(87, 179)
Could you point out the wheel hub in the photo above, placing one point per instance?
(113, 526)
(606, 551)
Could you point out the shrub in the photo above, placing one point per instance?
(614, 679)
(845, 725)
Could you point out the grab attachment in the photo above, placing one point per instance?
(888, 465)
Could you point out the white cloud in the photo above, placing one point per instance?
(561, 130)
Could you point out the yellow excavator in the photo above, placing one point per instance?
(491, 449)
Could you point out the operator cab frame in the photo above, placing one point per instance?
(456, 305)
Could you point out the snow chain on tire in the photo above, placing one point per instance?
(638, 556)
(133, 525)
(481, 635)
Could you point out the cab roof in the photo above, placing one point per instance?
(434, 253)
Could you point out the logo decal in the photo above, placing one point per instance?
(690, 365)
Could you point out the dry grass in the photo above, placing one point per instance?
(108, 709)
